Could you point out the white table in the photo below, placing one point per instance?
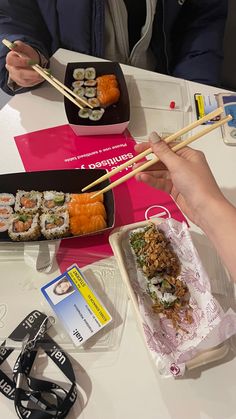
(124, 383)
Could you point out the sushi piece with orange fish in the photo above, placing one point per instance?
(108, 92)
(83, 224)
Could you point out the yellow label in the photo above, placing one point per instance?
(92, 301)
(201, 107)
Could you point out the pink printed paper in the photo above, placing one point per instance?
(60, 148)
(171, 350)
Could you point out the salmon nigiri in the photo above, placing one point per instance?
(85, 198)
(82, 224)
(95, 208)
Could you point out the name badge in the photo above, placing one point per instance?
(76, 305)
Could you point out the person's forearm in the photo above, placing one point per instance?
(218, 221)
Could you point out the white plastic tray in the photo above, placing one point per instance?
(20, 294)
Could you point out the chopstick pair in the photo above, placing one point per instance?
(45, 74)
(154, 160)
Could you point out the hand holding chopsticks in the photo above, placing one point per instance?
(156, 159)
(45, 74)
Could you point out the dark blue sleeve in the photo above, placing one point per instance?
(198, 41)
(21, 20)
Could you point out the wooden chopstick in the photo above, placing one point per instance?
(156, 159)
(145, 153)
(52, 80)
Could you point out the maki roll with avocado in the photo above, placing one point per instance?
(24, 227)
(55, 225)
(54, 201)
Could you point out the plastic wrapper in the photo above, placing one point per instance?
(25, 268)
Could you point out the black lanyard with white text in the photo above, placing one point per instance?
(36, 398)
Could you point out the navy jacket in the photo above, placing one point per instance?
(187, 34)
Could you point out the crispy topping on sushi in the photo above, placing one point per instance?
(161, 268)
(7, 199)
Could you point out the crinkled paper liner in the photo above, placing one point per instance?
(211, 326)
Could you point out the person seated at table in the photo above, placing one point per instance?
(187, 177)
(182, 38)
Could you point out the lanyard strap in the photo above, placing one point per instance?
(35, 398)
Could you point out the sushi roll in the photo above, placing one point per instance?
(90, 73)
(96, 114)
(4, 223)
(90, 83)
(5, 212)
(7, 199)
(90, 91)
(55, 225)
(54, 201)
(78, 73)
(24, 227)
(80, 91)
(93, 101)
(77, 83)
(28, 201)
(84, 113)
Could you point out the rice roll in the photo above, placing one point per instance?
(90, 73)
(90, 91)
(78, 73)
(93, 101)
(84, 113)
(28, 201)
(77, 83)
(96, 114)
(24, 227)
(4, 223)
(7, 199)
(54, 201)
(80, 91)
(55, 225)
(90, 83)
(5, 212)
